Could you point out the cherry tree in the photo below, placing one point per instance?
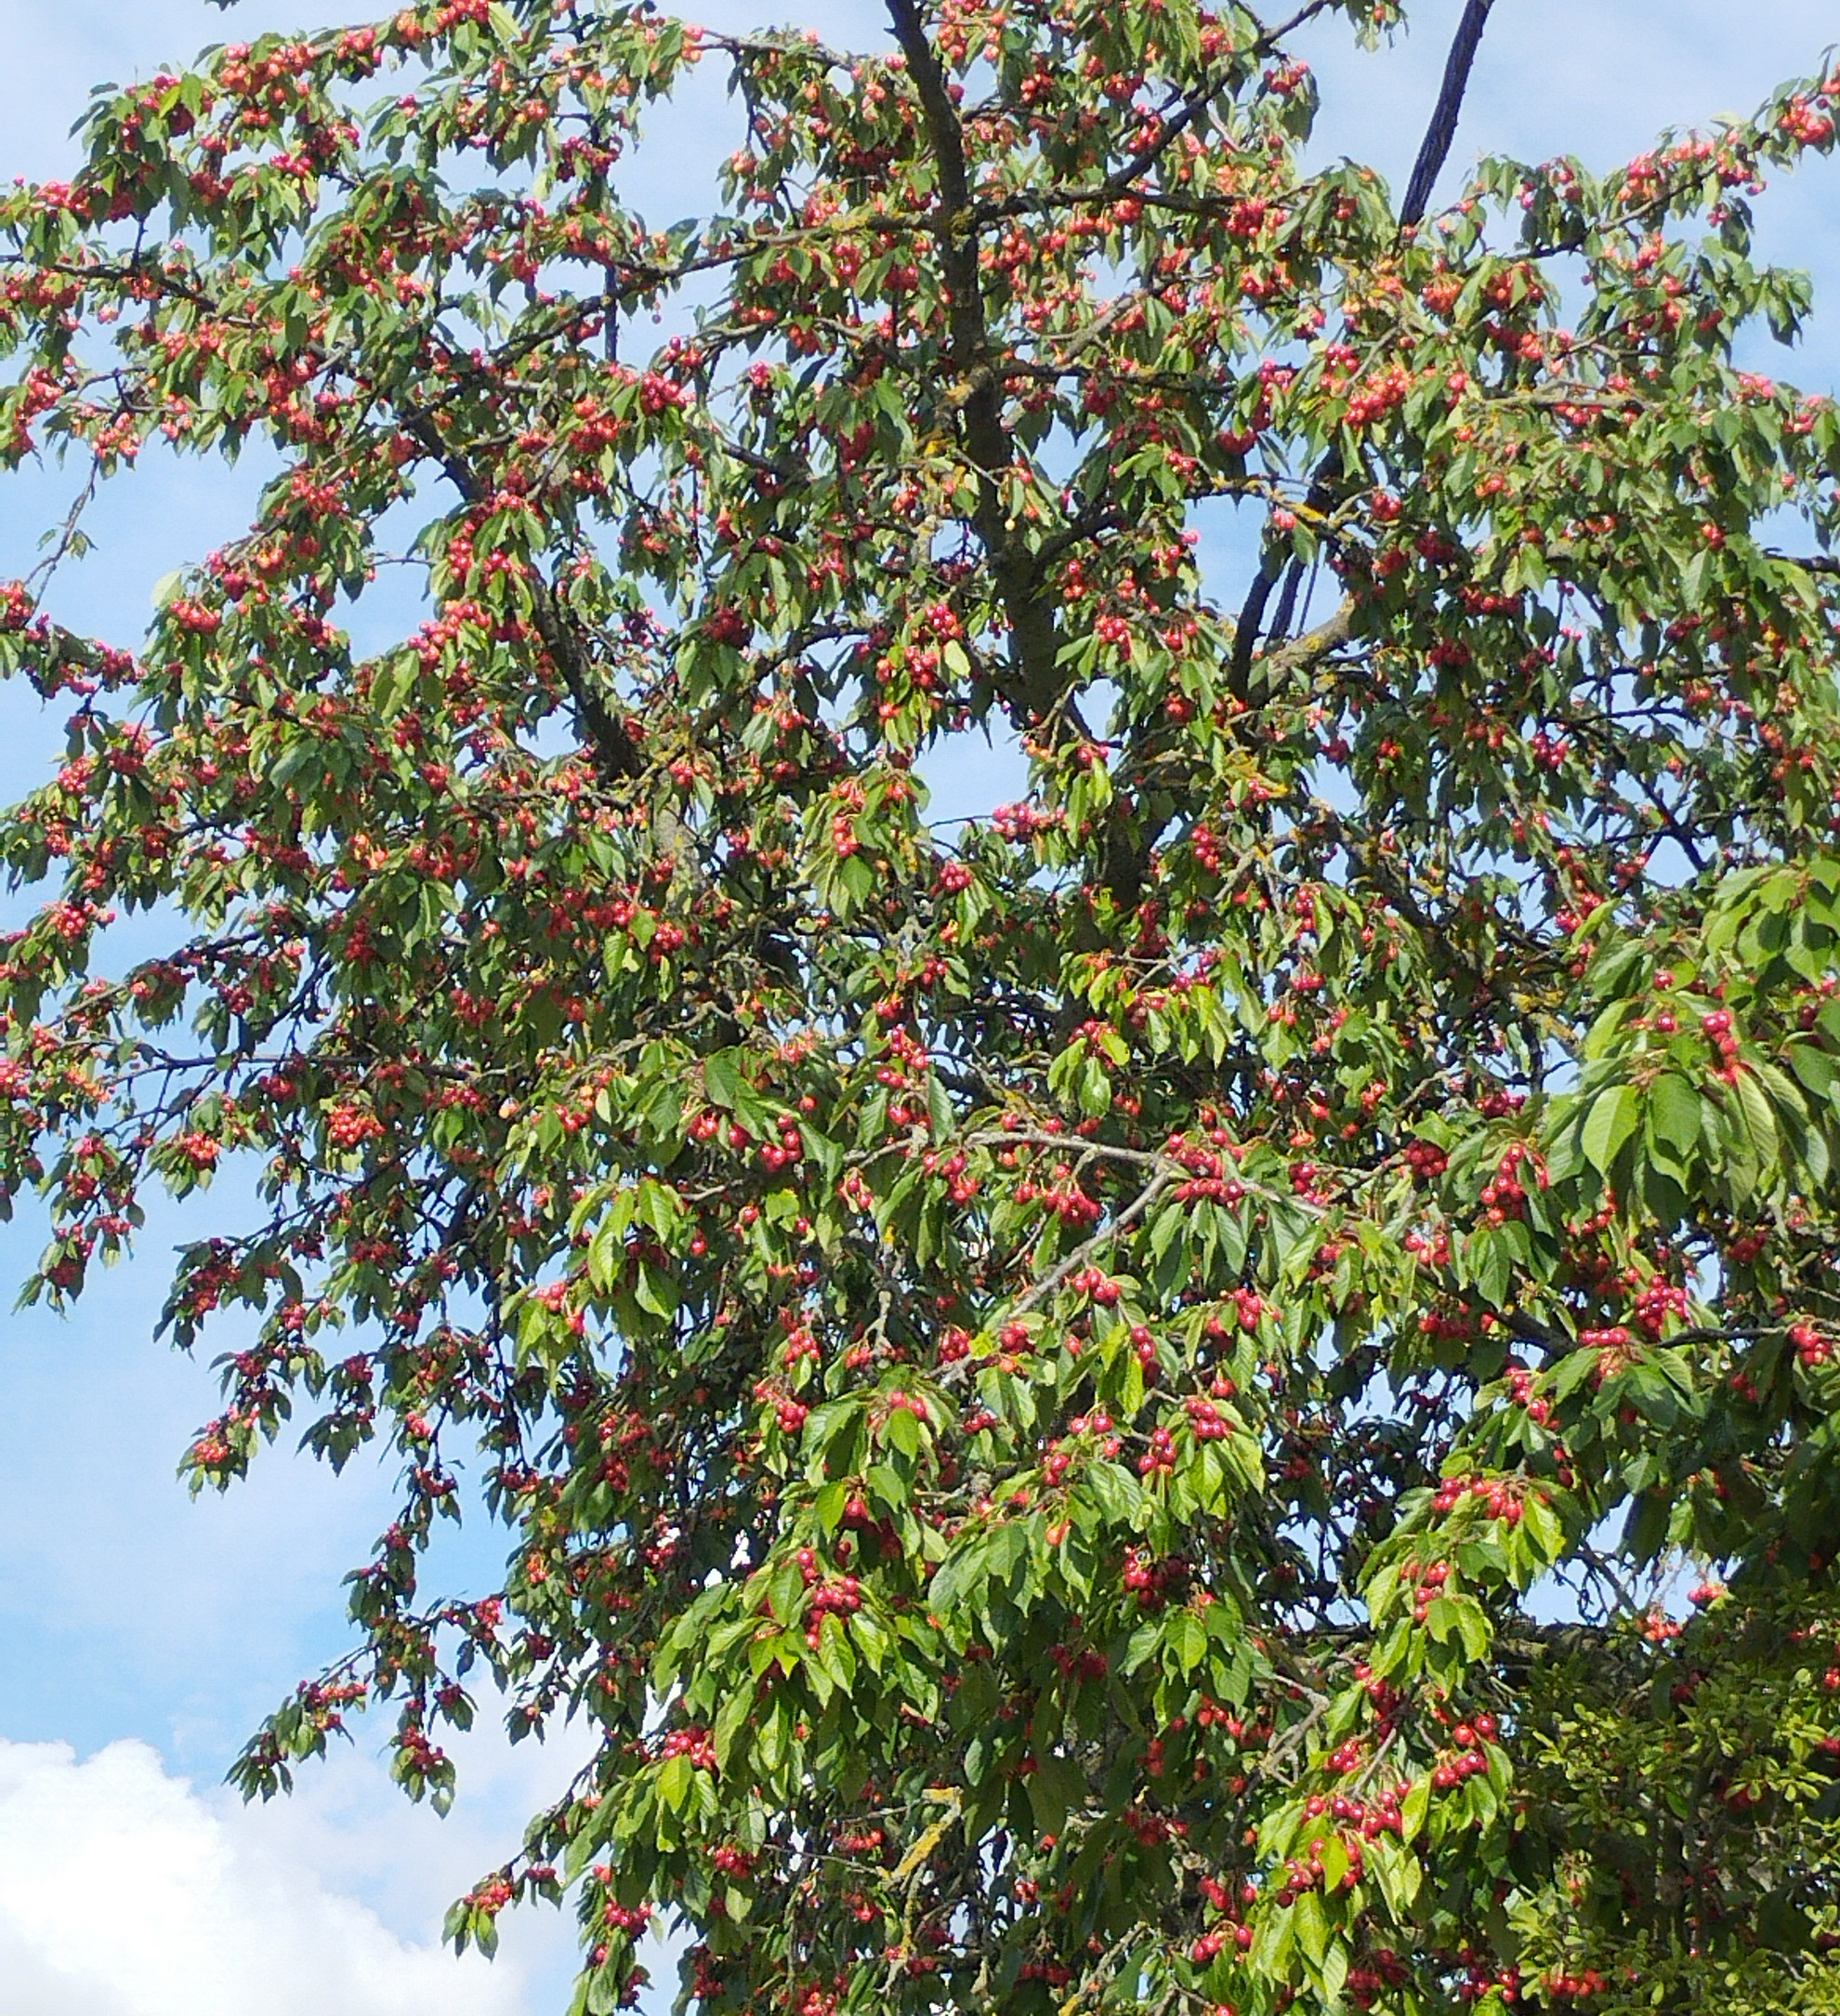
(1114, 1405)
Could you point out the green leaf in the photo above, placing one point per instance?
(1673, 1110)
(1813, 1066)
(1759, 1121)
(1057, 1787)
(1187, 1638)
(721, 1077)
(1312, 1927)
(1609, 1122)
(674, 1783)
(1491, 1258)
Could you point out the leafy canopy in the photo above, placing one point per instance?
(1105, 1405)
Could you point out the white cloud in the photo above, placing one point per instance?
(123, 1892)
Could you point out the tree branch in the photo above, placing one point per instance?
(1033, 643)
(1270, 37)
(614, 751)
(615, 754)
(1305, 653)
(1436, 147)
(1252, 615)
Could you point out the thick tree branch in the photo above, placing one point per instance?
(1432, 154)
(1252, 615)
(614, 751)
(615, 754)
(1033, 642)
(1304, 653)
(1435, 149)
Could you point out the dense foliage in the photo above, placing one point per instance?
(1107, 1406)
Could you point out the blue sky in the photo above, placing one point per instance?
(141, 1634)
